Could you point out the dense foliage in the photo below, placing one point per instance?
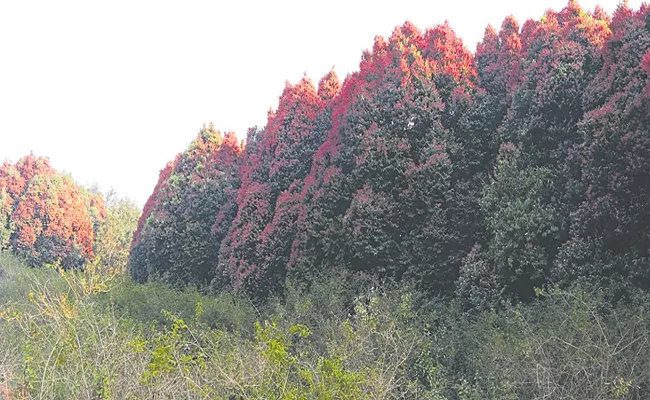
(486, 175)
(276, 161)
(113, 240)
(45, 216)
(80, 335)
(175, 241)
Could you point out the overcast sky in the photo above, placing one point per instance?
(112, 90)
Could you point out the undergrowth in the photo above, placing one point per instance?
(96, 335)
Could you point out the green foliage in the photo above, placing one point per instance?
(5, 209)
(116, 232)
(66, 342)
(144, 303)
(479, 286)
(522, 222)
(569, 345)
(62, 339)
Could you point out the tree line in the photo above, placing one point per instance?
(484, 175)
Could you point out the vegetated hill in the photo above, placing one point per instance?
(486, 175)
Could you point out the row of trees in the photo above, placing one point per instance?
(522, 165)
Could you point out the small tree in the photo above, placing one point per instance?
(116, 233)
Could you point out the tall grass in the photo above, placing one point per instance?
(65, 338)
(94, 335)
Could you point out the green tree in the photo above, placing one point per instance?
(175, 241)
(115, 235)
(522, 224)
(5, 214)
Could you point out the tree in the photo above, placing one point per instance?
(498, 59)
(116, 233)
(537, 187)
(523, 166)
(610, 234)
(174, 241)
(5, 214)
(277, 159)
(378, 194)
(142, 243)
(51, 218)
(524, 228)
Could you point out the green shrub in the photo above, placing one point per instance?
(79, 335)
(146, 302)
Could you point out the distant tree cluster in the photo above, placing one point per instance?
(45, 216)
(485, 175)
(113, 239)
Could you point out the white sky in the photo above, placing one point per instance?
(112, 90)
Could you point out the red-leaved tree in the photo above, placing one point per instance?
(175, 241)
(277, 159)
(46, 216)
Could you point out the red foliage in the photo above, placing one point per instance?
(499, 60)
(51, 216)
(572, 24)
(616, 149)
(320, 183)
(562, 56)
(447, 55)
(329, 86)
(527, 31)
(645, 65)
(276, 158)
(381, 147)
(175, 239)
(152, 202)
(11, 180)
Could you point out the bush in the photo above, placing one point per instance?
(145, 303)
(83, 334)
(71, 335)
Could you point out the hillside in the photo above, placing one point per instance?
(440, 224)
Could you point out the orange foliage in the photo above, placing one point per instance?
(51, 216)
